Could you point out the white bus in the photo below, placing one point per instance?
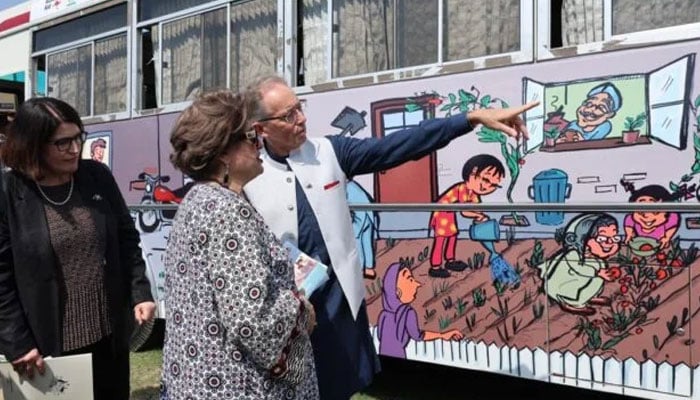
(618, 123)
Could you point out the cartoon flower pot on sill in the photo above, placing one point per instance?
(632, 125)
(553, 126)
(550, 137)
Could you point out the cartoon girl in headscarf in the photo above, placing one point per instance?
(574, 276)
(398, 321)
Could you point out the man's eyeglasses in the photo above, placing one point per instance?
(608, 239)
(64, 144)
(291, 117)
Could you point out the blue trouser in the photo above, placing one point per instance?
(346, 360)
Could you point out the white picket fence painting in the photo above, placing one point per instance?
(648, 380)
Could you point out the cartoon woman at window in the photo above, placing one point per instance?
(661, 226)
(574, 276)
(482, 175)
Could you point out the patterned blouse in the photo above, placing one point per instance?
(444, 223)
(235, 328)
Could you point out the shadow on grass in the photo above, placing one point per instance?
(150, 393)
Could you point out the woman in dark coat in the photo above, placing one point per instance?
(71, 273)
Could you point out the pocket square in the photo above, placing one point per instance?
(331, 185)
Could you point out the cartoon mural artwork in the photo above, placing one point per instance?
(574, 276)
(550, 186)
(481, 176)
(154, 192)
(593, 115)
(649, 231)
(656, 107)
(398, 321)
(97, 147)
(365, 224)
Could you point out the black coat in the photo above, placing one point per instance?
(30, 309)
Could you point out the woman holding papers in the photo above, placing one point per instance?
(236, 325)
(71, 273)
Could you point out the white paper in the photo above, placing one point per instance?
(68, 377)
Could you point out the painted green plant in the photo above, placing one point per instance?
(513, 154)
(634, 123)
(695, 168)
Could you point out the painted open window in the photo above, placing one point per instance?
(611, 111)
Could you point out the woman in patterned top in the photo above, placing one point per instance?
(237, 328)
(71, 272)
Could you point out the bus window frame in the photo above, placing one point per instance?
(80, 43)
(610, 42)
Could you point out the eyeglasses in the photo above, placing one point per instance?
(488, 181)
(64, 144)
(291, 117)
(608, 239)
(252, 137)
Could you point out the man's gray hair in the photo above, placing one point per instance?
(254, 94)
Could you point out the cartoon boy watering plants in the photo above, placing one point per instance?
(482, 175)
(398, 321)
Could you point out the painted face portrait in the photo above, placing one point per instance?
(649, 220)
(485, 182)
(406, 286)
(605, 242)
(594, 111)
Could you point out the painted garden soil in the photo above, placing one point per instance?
(650, 315)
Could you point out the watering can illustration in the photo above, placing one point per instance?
(550, 186)
(488, 233)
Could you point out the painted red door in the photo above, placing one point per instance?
(414, 181)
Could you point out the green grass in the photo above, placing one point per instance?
(145, 374)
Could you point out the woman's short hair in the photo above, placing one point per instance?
(205, 130)
(36, 121)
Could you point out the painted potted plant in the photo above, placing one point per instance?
(550, 137)
(632, 125)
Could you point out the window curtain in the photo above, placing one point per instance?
(194, 56)
(363, 41)
(254, 44)
(633, 15)
(181, 59)
(214, 50)
(110, 75)
(313, 65)
(70, 76)
(476, 28)
(376, 35)
(581, 22)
